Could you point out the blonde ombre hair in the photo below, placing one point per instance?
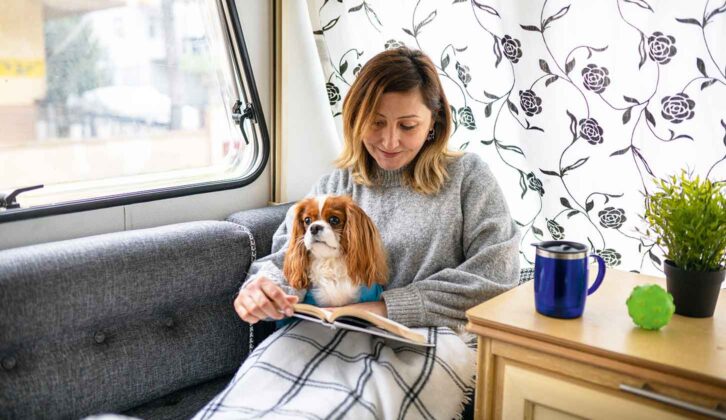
(397, 70)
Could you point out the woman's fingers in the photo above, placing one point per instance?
(254, 308)
(263, 298)
(244, 307)
(291, 299)
(278, 297)
(264, 305)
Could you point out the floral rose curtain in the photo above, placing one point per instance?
(576, 105)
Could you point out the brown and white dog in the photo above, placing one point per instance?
(335, 249)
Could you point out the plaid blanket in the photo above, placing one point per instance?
(306, 370)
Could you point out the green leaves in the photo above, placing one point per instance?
(688, 217)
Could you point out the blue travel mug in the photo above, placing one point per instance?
(560, 278)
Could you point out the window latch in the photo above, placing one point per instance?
(7, 201)
(239, 115)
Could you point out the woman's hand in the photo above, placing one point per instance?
(377, 307)
(261, 299)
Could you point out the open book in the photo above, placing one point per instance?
(360, 320)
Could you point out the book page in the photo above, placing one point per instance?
(313, 319)
(313, 310)
(372, 330)
(378, 321)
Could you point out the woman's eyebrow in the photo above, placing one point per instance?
(405, 116)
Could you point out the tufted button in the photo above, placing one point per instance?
(9, 362)
(168, 322)
(99, 337)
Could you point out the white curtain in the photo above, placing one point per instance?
(576, 105)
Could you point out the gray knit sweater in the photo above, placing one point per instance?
(446, 252)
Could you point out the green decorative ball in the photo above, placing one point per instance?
(650, 306)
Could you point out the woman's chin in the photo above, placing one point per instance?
(390, 164)
(389, 167)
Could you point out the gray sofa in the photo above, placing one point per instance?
(137, 322)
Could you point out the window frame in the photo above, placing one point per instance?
(259, 141)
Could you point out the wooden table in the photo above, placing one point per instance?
(600, 365)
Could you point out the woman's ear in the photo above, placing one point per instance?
(366, 256)
(295, 266)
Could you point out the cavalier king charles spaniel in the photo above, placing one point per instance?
(335, 251)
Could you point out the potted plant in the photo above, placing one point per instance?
(688, 218)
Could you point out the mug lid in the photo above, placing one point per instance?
(566, 247)
(561, 250)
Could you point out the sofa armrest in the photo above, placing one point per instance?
(262, 224)
(110, 322)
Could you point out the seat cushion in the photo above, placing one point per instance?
(182, 404)
(109, 322)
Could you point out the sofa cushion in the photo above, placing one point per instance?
(109, 322)
(182, 404)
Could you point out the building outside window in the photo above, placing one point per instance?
(115, 96)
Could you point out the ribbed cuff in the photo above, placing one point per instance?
(405, 305)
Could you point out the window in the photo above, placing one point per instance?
(118, 101)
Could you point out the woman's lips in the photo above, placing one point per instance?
(388, 155)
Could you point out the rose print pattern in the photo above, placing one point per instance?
(530, 102)
(392, 43)
(549, 111)
(591, 131)
(534, 183)
(511, 48)
(610, 217)
(333, 93)
(661, 48)
(611, 256)
(557, 231)
(678, 108)
(463, 72)
(466, 118)
(595, 78)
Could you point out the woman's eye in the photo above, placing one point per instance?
(307, 220)
(379, 124)
(408, 127)
(334, 220)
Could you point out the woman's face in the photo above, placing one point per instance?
(400, 126)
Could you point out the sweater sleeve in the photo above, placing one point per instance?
(490, 240)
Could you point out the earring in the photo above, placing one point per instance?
(431, 136)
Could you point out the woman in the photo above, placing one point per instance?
(451, 244)
(449, 236)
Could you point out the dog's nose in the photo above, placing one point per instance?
(314, 229)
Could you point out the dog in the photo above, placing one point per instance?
(335, 251)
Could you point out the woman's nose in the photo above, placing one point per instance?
(390, 139)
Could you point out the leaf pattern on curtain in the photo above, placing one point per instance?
(576, 105)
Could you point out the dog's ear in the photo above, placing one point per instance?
(365, 254)
(295, 266)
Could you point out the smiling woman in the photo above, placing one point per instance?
(449, 238)
(393, 140)
(409, 126)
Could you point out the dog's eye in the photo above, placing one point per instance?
(334, 220)
(307, 220)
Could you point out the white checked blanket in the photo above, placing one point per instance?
(306, 370)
